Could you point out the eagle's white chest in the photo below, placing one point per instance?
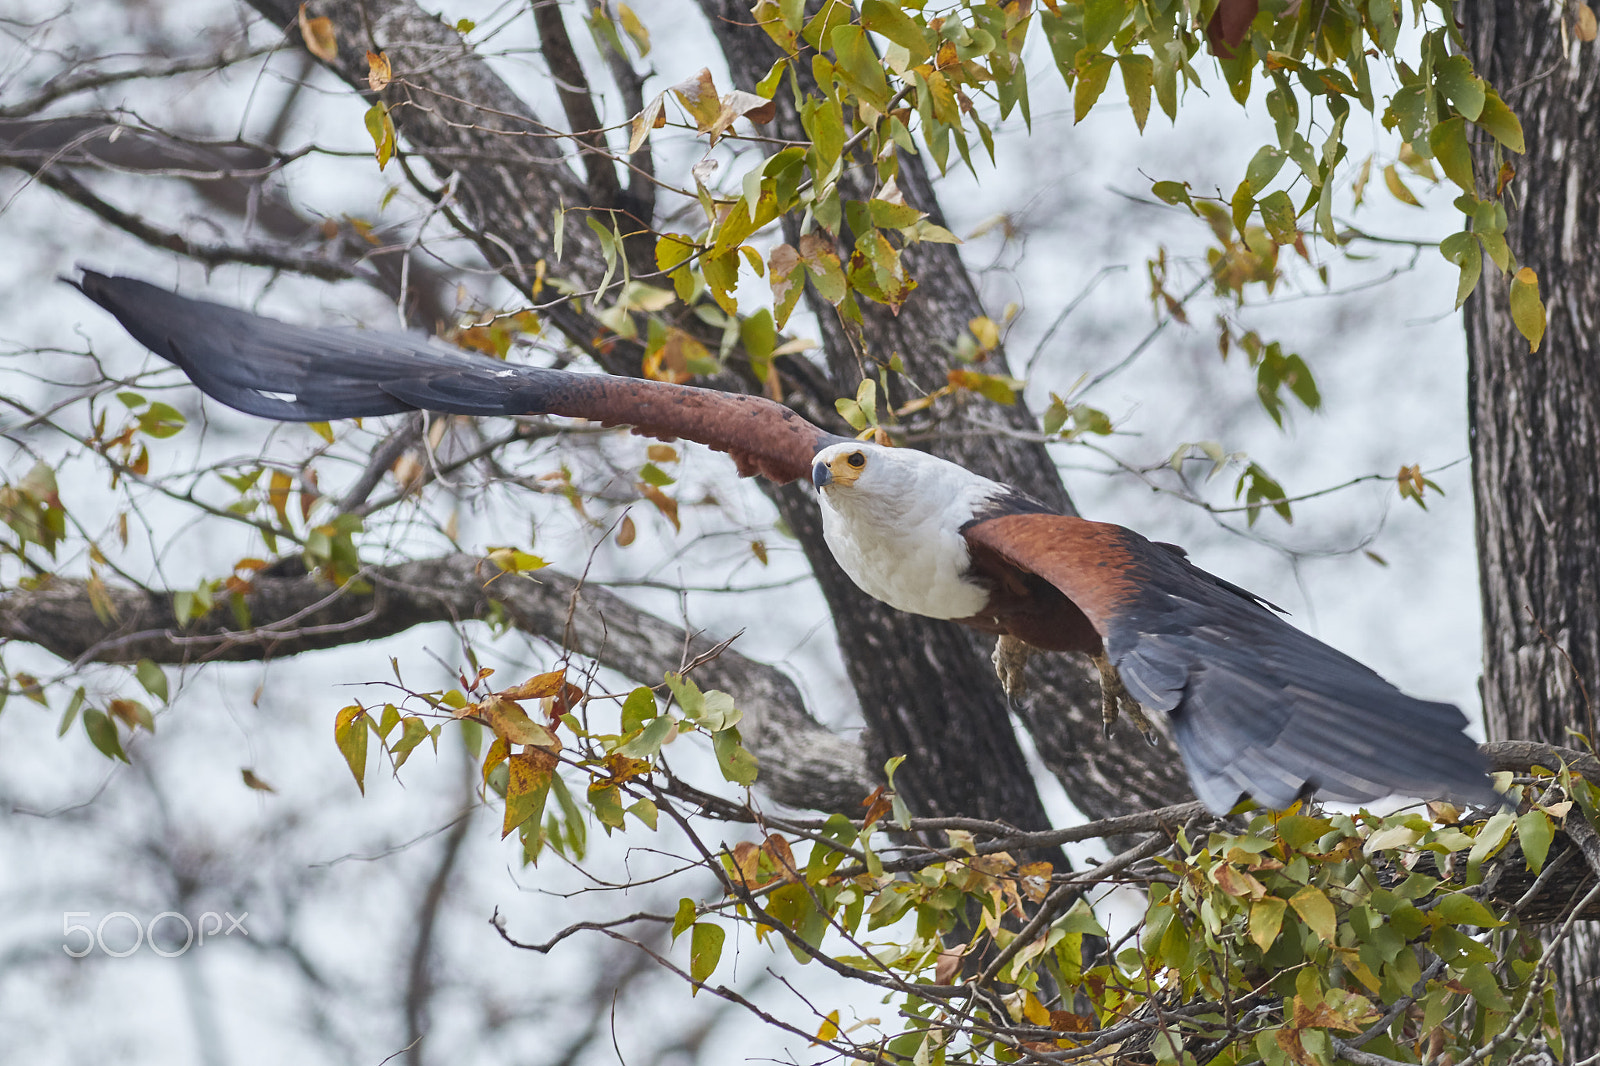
(905, 547)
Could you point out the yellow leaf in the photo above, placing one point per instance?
(699, 97)
(510, 721)
(278, 494)
(1034, 1011)
(634, 29)
(1527, 309)
(527, 786)
(1391, 178)
(830, 1027)
(319, 36)
(381, 127)
(350, 734)
(985, 331)
(1316, 911)
(1266, 919)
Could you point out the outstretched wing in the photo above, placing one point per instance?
(298, 374)
(1256, 706)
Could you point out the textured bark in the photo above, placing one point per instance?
(802, 763)
(1536, 418)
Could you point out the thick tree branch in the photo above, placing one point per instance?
(802, 763)
(572, 86)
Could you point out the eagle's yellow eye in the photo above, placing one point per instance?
(856, 459)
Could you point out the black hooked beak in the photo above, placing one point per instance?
(821, 475)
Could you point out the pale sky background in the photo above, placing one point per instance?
(335, 877)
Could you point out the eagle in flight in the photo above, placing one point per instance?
(1256, 706)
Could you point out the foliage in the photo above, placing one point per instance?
(1281, 938)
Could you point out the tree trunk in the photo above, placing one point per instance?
(1536, 417)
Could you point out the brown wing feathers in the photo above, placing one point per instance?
(1256, 705)
(294, 373)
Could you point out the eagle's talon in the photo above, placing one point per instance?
(1114, 698)
(1010, 656)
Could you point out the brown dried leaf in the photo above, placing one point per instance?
(1034, 881)
(378, 72)
(1583, 26)
(537, 687)
(740, 104)
(778, 850)
(652, 117)
(948, 966)
(626, 531)
(252, 781)
(319, 36)
(877, 805)
(664, 503)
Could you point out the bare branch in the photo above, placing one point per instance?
(802, 763)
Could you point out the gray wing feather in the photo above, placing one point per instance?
(1260, 708)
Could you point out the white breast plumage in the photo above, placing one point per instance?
(896, 529)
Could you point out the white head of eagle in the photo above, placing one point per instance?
(893, 518)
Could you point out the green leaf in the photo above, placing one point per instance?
(705, 949)
(1138, 73)
(413, 732)
(103, 734)
(888, 20)
(1491, 837)
(650, 738)
(1172, 192)
(1092, 77)
(638, 708)
(1277, 212)
(1485, 990)
(1460, 86)
(350, 734)
(687, 913)
(161, 420)
(153, 678)
(759, 335)
(1464, 250)
(737, 763)
(1449, 144)
(1535, 831)
(1500, 122)
(651, 474)
(646, 812)
(1264, 166)
(1458, 908)
(606, 800)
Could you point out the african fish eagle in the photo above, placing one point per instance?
(1256, 706)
